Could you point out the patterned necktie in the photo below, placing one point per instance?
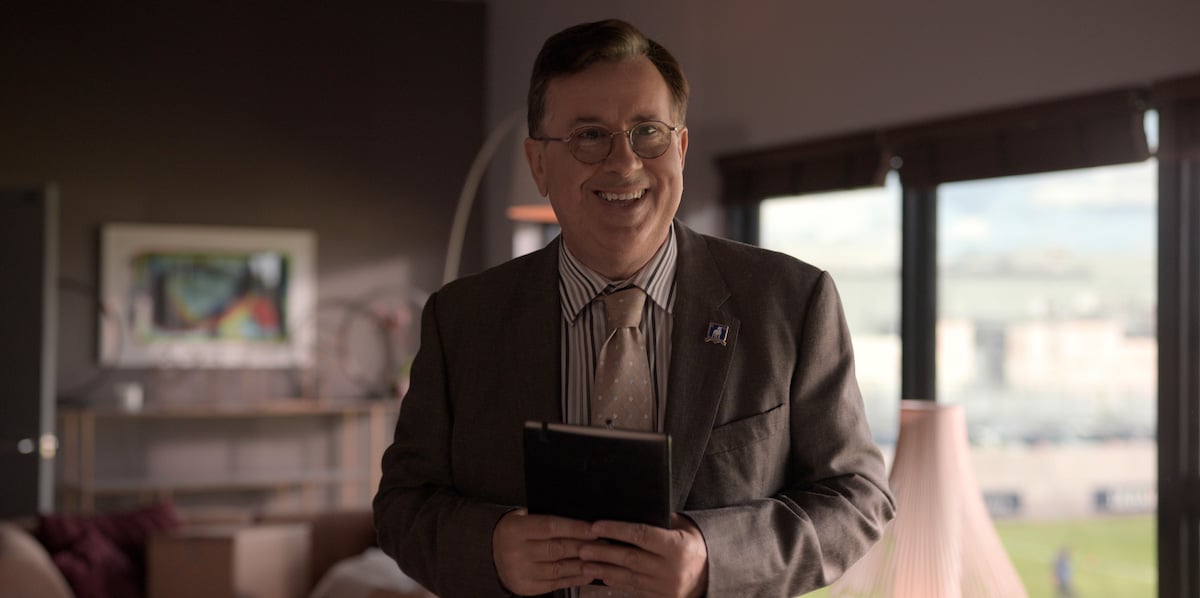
(621, 392)
(621, 395)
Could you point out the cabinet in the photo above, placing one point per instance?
(284, 455)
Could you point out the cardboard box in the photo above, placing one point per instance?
(336, 535)
(262, 561)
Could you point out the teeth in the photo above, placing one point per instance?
(621, 196)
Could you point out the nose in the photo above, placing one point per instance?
(621, 157)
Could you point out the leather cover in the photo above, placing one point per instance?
(591, 473)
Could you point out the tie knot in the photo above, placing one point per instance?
(623, 309)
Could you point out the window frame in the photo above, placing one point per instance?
(1098, 116)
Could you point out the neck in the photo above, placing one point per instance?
(615, 265)
(614, 268)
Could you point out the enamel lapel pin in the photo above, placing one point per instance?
(717, 334)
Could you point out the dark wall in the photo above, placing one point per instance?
(357, 124)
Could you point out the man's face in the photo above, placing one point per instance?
(620, 208)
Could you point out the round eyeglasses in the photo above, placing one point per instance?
(592, 144)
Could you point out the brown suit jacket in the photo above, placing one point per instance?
(772, 456)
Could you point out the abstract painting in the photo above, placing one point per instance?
(191, 296)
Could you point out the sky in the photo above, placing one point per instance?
(1078, 214)
(1097, 211)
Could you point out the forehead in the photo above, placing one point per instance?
(609, 93)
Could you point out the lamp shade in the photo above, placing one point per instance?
(942, 543)
(538, 213)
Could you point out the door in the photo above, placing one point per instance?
(28, 305)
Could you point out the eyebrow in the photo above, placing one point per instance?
(588, 120)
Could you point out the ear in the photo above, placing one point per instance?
(683, 135)
(535, 156)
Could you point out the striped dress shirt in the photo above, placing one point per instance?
(584, 328)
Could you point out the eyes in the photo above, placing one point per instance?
(591, 144)
(646, 132)
(649, 139)
(591, 134)
(650, 130)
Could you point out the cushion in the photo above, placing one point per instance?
(367, 575)
(105, 554)
(96, 568)
(128, 530)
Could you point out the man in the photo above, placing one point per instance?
(777, 485)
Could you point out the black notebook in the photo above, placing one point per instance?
(590, 473)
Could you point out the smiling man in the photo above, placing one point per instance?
(614, 200)
(744, 358)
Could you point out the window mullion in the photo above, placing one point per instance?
(1179, 378)
(918, 303)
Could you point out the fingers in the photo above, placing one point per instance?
(557, 574)
(683, 537)
(661, 580)
(549, 551)
(536, 554)
(646, 537)
(541, 527)
(627, 557)
(621, 567)
(547, 577)
(625, 580)
(654, 561)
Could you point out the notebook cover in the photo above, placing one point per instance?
(591, 473)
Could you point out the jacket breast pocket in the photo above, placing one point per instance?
(745, 460)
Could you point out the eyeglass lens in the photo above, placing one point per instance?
(593, 144)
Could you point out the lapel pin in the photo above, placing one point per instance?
(717, 334)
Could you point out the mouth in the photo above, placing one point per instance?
(619, 197)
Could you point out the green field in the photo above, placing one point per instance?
(1111, 557)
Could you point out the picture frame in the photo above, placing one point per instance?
(206, 297)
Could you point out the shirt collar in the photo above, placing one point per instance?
(579, 285)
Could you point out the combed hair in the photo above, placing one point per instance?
(576, 48)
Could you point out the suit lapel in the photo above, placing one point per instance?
(534, 338)
(698, 368)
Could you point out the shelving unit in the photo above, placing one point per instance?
(225, 454)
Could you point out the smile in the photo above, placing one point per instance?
(607, 196)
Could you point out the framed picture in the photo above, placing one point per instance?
(217, 297)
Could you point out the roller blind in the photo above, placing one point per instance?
(1178, 104)
(1095, 130)
(812, 167)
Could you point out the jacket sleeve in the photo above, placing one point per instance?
(835, 499)
(439, 537)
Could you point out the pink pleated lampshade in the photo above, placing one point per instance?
(942, 543)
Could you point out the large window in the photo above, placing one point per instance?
(1048, 282)
(855, 235)
(1045, 333)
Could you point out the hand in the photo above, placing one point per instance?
(662, 562)
(537, 554)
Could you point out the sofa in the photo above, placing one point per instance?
(25, 567)
(143, 552)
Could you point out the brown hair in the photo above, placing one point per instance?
(576, 48)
